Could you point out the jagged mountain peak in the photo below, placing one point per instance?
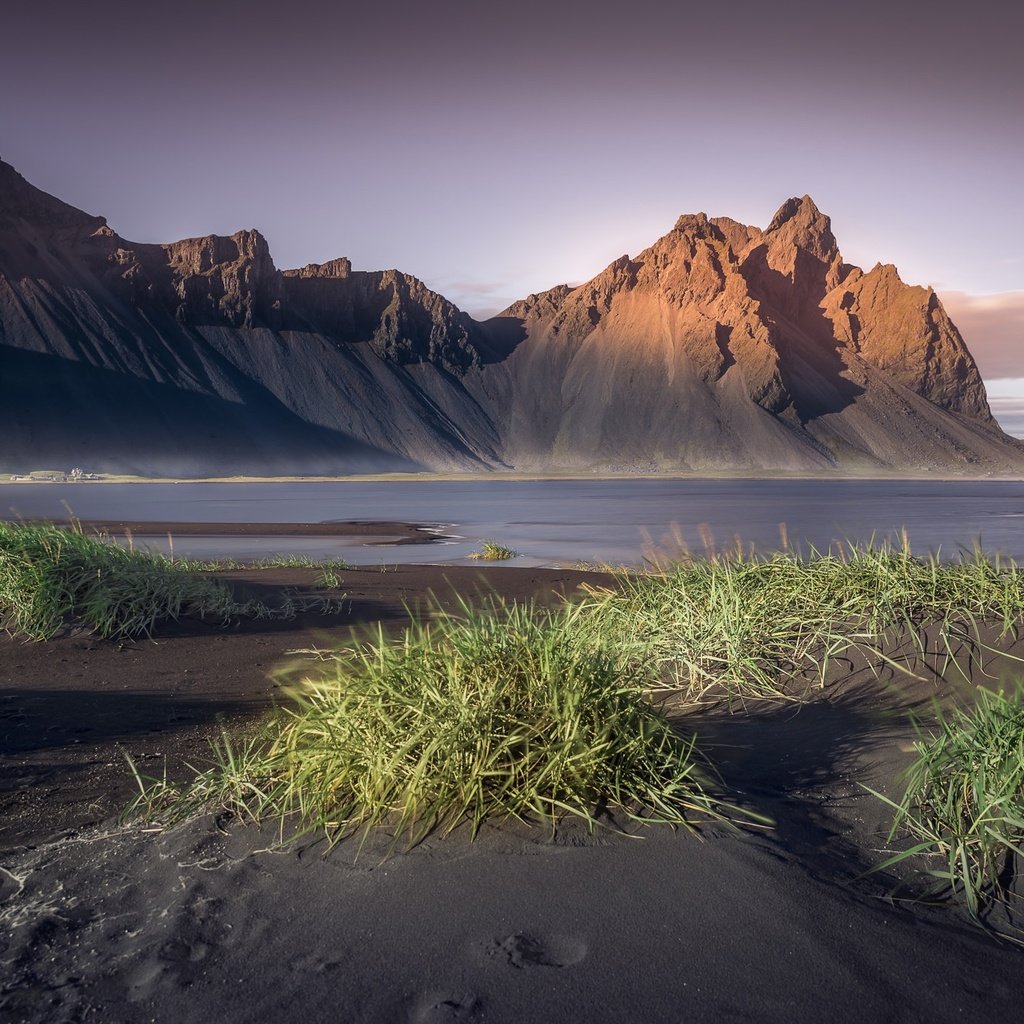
(693, 226)
(206, 253)
(887, 272)
(799, 223)
(337, 268)
(692, 223)
(802, 207)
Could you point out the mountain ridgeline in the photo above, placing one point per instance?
(720, 347)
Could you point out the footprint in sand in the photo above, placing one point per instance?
(190, 934)
(143, 980)
(314, 963)
(444, 1008)
(531, 951)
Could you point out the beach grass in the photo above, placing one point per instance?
(964, 799)
(504, 710)
(268, 562)
(492, 551)
(54, 576)
(51, 576)
(751, 626)
(328, 579)
(498, 712)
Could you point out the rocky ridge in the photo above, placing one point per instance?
(742, 347)
(722, 346)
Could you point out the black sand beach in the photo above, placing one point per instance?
(213, 921)
(367, 531)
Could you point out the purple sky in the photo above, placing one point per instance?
(498, 149)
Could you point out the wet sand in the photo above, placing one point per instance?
(371, 532)
(212, 920)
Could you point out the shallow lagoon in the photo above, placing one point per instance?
(557, 522)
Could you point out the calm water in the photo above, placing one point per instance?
(559, 522)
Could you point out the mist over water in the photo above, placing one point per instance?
(558, 522)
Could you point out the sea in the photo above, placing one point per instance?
(558, 522)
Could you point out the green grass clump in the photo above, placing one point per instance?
(495, 713)
(51, 576)
(328, 579)
(492, 551)
(270, 562)
(964, 799)
(296, 562)
(751, 625)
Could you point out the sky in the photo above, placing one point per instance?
(495, 150)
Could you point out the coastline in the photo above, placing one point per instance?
(554, 475)
(388, 533)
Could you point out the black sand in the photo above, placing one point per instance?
(206, 922)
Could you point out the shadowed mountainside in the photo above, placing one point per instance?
(721, 346)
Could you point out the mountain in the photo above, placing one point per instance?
(200, 356)
(722, 346)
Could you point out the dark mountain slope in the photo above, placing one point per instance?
(201, 356)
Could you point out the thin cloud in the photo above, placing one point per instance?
(1009, 388)
(482, 299)
(993, 328)
(1009, 412)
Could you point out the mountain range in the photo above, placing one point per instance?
(720, 347)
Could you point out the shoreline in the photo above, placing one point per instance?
(554, 475)
(389, 533)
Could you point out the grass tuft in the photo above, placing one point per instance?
(964, 799)
(495, 713)
(270, 562)
(296, 562)
(492, 551)
(750, 626)
(50, 576)
(329, 579)
(54, 576)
